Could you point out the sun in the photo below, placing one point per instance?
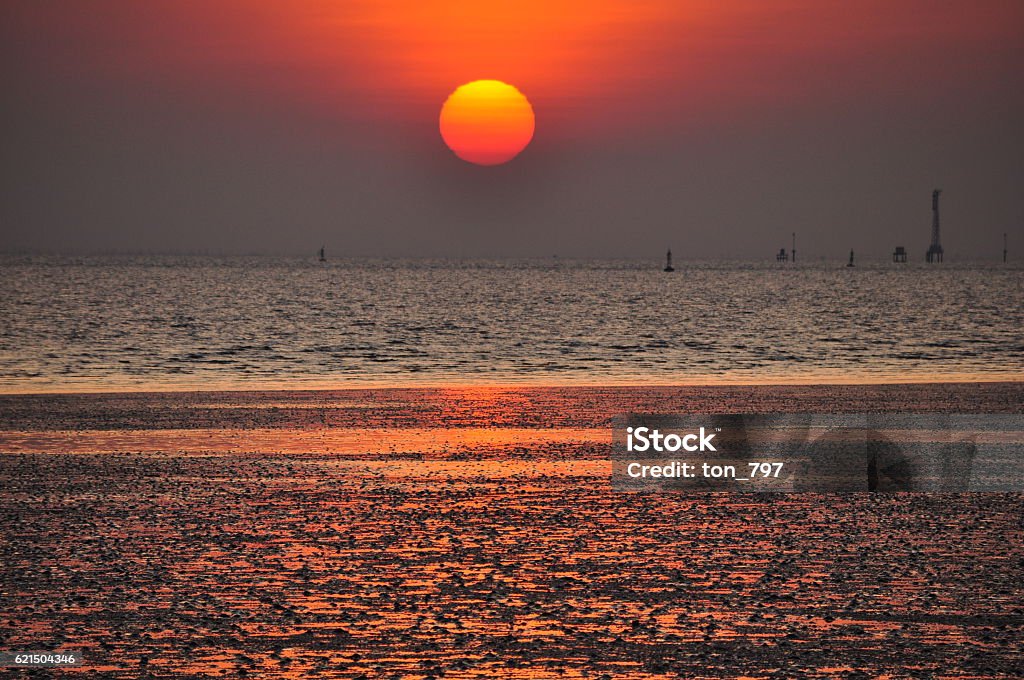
(487, 122)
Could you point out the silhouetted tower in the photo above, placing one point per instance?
(668, 261)
(850, 263)
(781, 257)
(1004, 247)
(934, 253)
(794, 246)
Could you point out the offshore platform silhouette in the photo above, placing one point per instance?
(934, 253)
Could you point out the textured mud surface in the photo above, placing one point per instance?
(473, 534)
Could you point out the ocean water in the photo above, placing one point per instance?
(194, 322)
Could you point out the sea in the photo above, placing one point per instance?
(111, 323)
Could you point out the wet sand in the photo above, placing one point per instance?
(472, 533)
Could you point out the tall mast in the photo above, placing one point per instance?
(934, 253)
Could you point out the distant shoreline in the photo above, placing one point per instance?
(486, 408)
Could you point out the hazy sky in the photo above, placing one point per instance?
(716, 128)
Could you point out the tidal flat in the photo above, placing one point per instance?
(472, 533)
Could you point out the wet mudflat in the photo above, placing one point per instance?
(464, 534)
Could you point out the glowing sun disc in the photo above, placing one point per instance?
(487, 122)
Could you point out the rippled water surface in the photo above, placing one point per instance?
(176, 322)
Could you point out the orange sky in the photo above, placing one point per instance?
(723, 124)
(594, 64)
